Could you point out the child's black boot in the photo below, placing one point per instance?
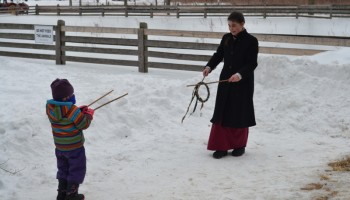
(62, 189)
(72, 192)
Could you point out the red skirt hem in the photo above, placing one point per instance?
(225, 138)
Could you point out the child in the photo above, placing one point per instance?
(67, 122)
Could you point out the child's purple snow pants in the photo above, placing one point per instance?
(71, 165)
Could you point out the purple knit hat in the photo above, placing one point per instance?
(61, 88)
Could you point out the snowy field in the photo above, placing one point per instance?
(137, 147)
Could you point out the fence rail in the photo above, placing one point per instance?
(319, 11)
(166, 52)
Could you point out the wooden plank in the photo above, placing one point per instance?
(191, 10)
(317, 40)
(266, 50)
(101, 61)
(17, 36)
(181, 45)
(100, 29)
(95, 40)
(109, 8)
(27, 55)
(200, 34)
(100, 50)
(178, 56)
(17, 26)
(27, 46)
(296, 39)
(289, 51)
(312, 16)
(175, 66)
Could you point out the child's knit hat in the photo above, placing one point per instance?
(61, 88)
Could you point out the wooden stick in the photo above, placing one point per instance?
(110, 101)
(209, 83)
(100, 98)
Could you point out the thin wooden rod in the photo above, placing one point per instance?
(209, 83)
(100, 98)
(110, 101)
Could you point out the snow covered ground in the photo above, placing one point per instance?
(137, 147)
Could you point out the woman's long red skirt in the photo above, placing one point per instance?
(225, 138)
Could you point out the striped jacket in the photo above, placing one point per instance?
(67, 122)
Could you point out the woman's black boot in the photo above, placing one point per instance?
(238, 152)
(219, 154)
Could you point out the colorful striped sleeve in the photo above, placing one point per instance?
(80, 120)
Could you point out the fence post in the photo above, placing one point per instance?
(297, 13)
(126, 11)
(36, 9)
(151, 11)
(331, 11)
(58, 9)
(17, 9)
(143, 58)
(59, 43)
(205, 10)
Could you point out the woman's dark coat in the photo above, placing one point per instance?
(234, 101)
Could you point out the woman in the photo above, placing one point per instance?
(234, 109)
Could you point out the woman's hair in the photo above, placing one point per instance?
(236, 17)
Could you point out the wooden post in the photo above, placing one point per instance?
(58, 9)
(80, 12)
(297, 13)
(17, 9)
(205, 10)
(126, 11)
(103, 11)
(59, 43)
(311, 2)
(36, 9)
(151, 11)
(142, 38)
(331, 11)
